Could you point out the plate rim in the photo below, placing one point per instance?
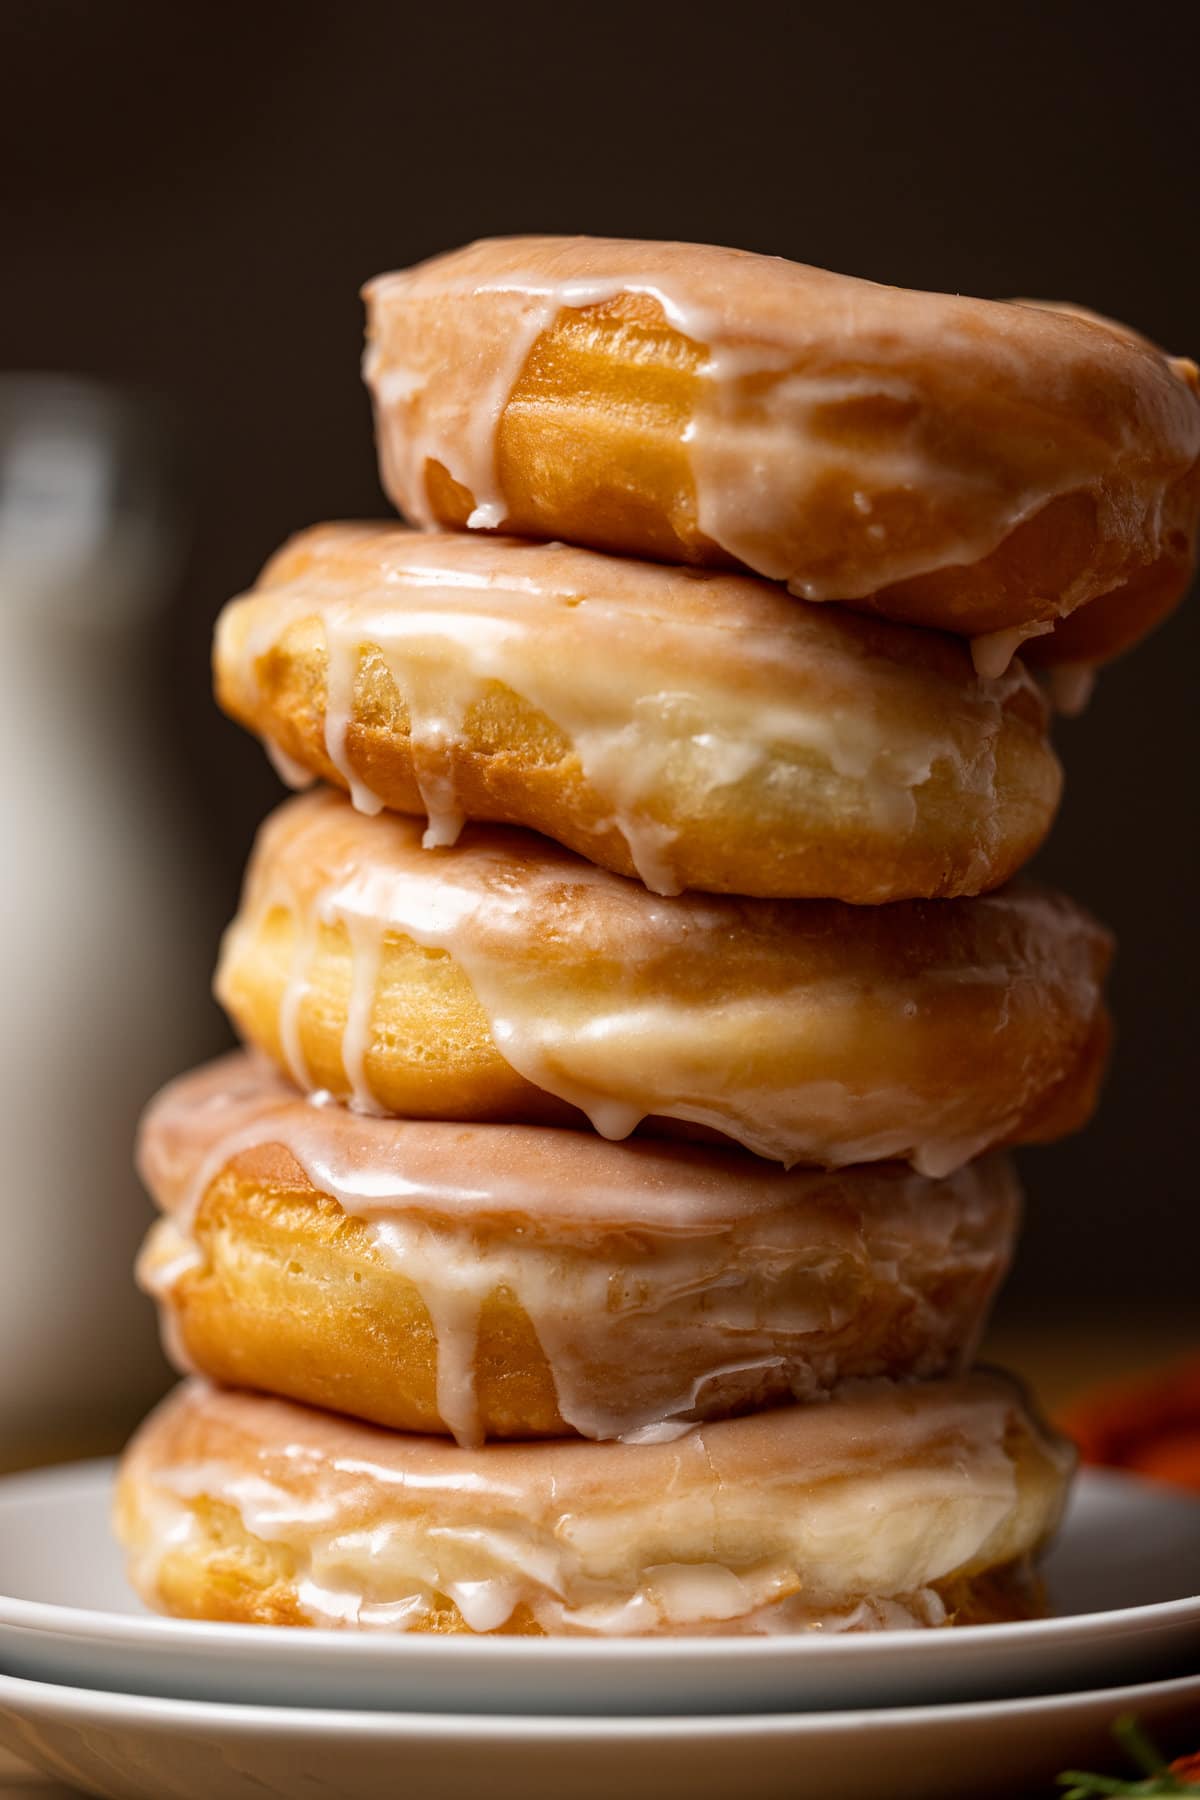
(243, 1719)
(50, 1618)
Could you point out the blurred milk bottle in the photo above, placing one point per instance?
(100, 964)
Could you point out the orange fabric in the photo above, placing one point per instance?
(1150, 1425)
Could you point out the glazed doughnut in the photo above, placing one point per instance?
(513, 1281)
(986, 468)
(506, 979)
(697, 730)
(892, 1504)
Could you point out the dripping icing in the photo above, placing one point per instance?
(757, 1280)
(780, 347)
(653, 687)
(752, 1059)
(383, 1523)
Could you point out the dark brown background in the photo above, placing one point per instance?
(194, 194)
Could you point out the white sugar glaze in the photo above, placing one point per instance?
(293, 774)
(1071, 687)
(649, 1271)
(785, 347)
(813, 1512)
(735, 1015)
(643, 669)
(993, 652)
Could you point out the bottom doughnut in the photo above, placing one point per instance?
(891, 1504)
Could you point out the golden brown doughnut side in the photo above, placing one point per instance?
(793, 824)
(1038, 558)
(591, 448)
(1113, 623)
(888, 1505)
(1067, 1105)
(977, 466)
(433, 1056)
(283, 1291)
(806, 1030)
(592, 437)
(763, 836)
(294, 1298)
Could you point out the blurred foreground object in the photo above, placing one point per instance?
(1150, 1425)
(1157, 1778)
(95, 920)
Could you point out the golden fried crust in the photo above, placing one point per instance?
(513, 1282)
(890, 1504)
(506, 980)
(293, 1298)
(964, 464)
(706, 733)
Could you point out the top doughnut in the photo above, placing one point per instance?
(1002, 470)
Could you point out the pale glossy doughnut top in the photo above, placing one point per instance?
(238, 1110)
(859, 442)
(880, 1493)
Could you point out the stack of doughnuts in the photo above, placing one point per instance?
(596, 1230)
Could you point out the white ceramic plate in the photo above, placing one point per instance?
(1125, 1578)
(131, 1748)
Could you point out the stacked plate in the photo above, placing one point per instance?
(112, 1701)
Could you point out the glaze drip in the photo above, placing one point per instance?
(654, 678)
(656, 1277)
(806, 1031)
(789, 361)
(871, 1500)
